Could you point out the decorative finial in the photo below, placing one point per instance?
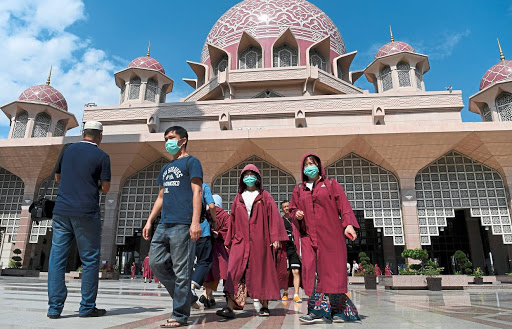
(49, 77)
(149, 47)
(391, 32)
(502, 57)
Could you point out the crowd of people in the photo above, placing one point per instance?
(195, 243)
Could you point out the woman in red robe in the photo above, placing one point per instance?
(146, 270)
(378, 271)
(387, 271)
(220, 255)
(133, 269)
(326, 217)
(256, 229)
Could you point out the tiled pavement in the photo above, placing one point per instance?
(133, 304)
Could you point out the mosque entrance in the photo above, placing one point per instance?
(135, 250)
(40, 256)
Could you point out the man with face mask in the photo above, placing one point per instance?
(172, 250)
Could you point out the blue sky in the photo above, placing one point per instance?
(87, 41)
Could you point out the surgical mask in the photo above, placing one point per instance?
(250, 180)
(311, 171)
(172, 146)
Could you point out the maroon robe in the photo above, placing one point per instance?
(322, 245)
(220, 255)
(134, 268)
(378, 271)
(146, 269)
(250, 239)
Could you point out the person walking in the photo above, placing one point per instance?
(256, 229)
(325, 216)
(355, 267)
(291, 250)
(83, 171)
(203, 245)
(147, 274)
(133, 270)
(378, 271)
(220, 255)
(172, 249)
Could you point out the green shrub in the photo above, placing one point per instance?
(368, 268)
(16, 259)
(478, 273)
(426, 266)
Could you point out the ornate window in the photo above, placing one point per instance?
(385, 77)
(123, 92)
(221, 66)
(404, 74)
(134, 88)
(60, 128)
(250, 58)
(340, 72)
(285, 56)
(454, 182)
(20, 125)
(42, 125)
(137, 197)
(419, 78)
(11, 196)
(268, 94)
(486, 113)
(151, 90)
(372, 189)
(504, 106)
(316, 59)
(278, 182)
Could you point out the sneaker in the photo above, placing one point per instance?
(297, 299)
(337, 319)
(313, 318)
(96, 312)
(195, 301)
(285, 297)
(53, 316)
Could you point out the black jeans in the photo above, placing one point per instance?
(204, 260)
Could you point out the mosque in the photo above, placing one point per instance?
(274, 82)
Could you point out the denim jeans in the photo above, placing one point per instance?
(204, 260)
(87, 232)
(171, 257)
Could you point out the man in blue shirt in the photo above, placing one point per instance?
(203, 247)
(82, 172)
(172, 250)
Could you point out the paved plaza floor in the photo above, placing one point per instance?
(133, 304)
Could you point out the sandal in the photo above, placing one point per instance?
(264, 311)
(226, 312)
(172, 323)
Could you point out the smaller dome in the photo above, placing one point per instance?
(499, 72)
(393, 47)
(147, 62)
(44, 94)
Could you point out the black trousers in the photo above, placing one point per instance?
(204, 260)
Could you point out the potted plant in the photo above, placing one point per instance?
(370, 279)
(463, 265)
(434, 282)
(478, 276)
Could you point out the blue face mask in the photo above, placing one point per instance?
(250, 180)
(172, 146)
(311, 171)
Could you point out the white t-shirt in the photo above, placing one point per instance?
(249, 197)
(310, 185)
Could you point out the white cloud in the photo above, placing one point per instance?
(443, 46)
(33, 35)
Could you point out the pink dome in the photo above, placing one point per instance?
(147, 62)
(393, 48)
(499, 72)
(44, 94)
(270, 18)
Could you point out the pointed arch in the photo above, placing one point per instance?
(285, 51)
(249, 53)
(20, 125)
(455, 181)
(372, 189)
(12, 189)
(42, 124)
(504, 106)
(275, 180)
(319, 54)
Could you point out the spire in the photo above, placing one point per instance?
(149, 48)
(49, 77)
(502, 57)
(391, 33)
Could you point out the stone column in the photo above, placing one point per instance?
(25, 224)
(30, 125)
(11, 129)
(53, 124)
(410, 214)
(143, 86)
(108, 233)
(394, 77)
(412, 73)
(494, 112)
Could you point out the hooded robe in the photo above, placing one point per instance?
(220, 258)
(146, 269)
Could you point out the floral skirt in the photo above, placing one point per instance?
(329, 305)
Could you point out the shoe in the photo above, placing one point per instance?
(285, 297)
(203, 300)
(159, 285)
(297, 299)
(96, 312)
(53, 316)
(337, 319)
(195, 300)
(212, 302)
(226, 312)
(313, 318)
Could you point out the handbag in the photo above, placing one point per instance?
(42, 208)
